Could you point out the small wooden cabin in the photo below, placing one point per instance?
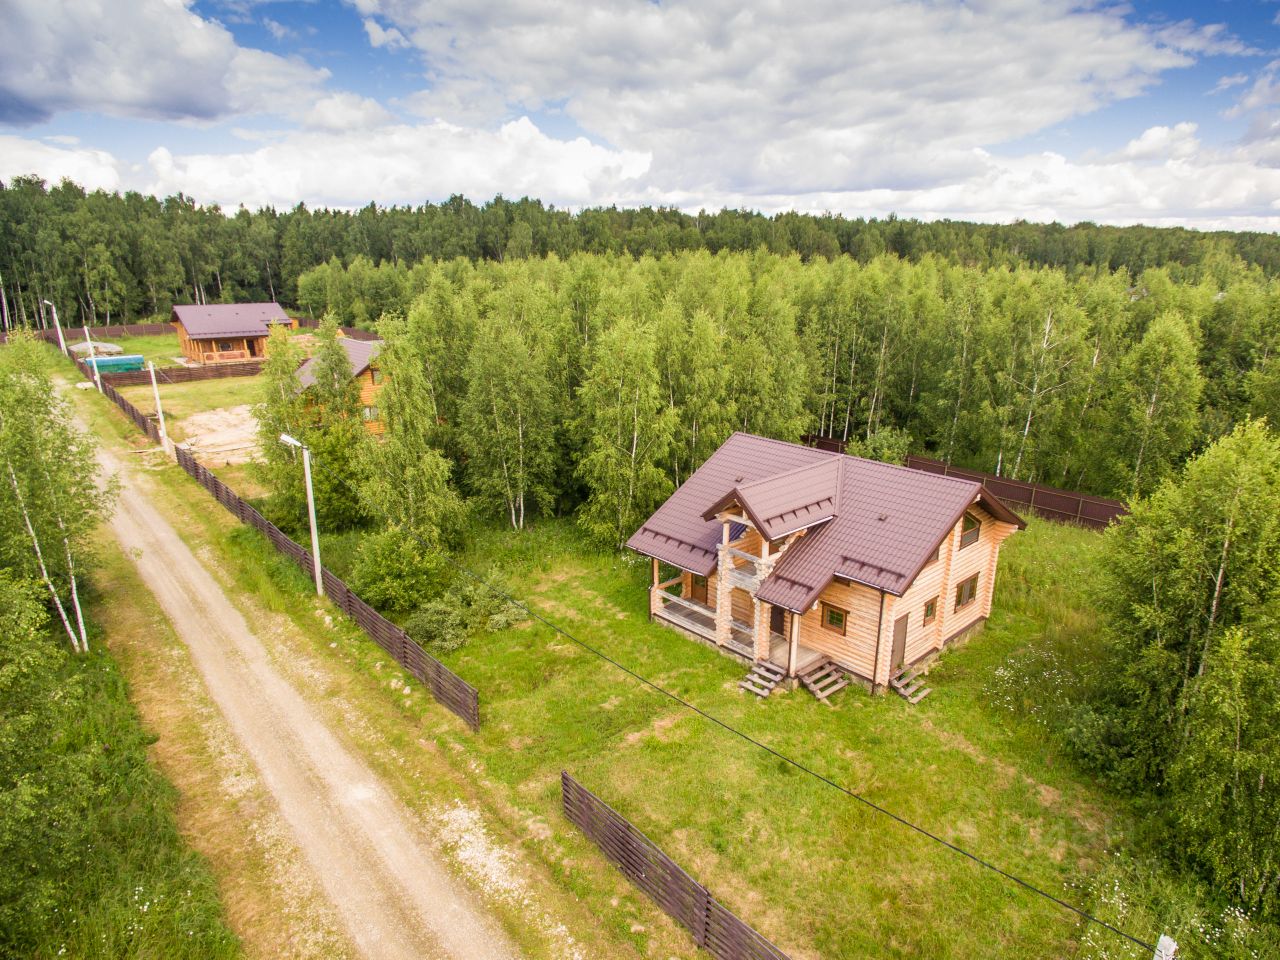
(226, 332)
(363, 355)
(806, 561)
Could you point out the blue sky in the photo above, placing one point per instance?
(1157, 112)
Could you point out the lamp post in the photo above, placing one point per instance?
(93, 358)
(56, 325)
(155, 389)
(311, 508)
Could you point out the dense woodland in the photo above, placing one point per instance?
(102, 256)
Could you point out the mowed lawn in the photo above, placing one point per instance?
(161, 349)
(821, 874)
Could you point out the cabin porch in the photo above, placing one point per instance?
(699, 619)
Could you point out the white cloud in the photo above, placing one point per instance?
(147, 58)
(380, 36)
(763, 99)
(1226, 83)
(92, 169)
(1163, 143)
(346, 111)
(277, 29)
(400, 164)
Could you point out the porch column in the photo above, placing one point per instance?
(724, 598)
(793, 648)
(763, 641)
(655, 605)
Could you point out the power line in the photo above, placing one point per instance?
(1025, 884)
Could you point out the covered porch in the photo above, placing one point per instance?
(699, 619)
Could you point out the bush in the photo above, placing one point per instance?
(395, 573)
(445, 624)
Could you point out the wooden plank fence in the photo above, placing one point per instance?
(686, 901)
(1052, 503)
(446, 686)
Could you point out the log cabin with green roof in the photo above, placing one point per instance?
(820, 568)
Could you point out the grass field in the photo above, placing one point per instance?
(182, 400)
(160, 349)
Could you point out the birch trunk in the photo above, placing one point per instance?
(44, 570)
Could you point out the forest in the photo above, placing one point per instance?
(106, 257)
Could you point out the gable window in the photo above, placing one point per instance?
(834, 619)
(370, 413)
(376, 375)
(967, 592)
(933, 557)
(970, 528)
(931, 611)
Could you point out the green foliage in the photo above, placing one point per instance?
(281, 411)
(394, 571)
(888, 444)
(447, 622)
(1184, 708)
(91, 863)
(628, 430)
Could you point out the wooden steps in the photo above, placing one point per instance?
(822, 678)
(909, 684)
(762, 679)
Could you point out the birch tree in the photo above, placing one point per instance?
(49, 472)
(628, 431)
(507, 420)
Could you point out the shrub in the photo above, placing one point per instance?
(395, 573)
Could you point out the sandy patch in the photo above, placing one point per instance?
(228, 435)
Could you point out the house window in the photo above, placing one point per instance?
(966, 592)
(370, 413)
(834, 619)
(225, 345)
(933, 557)
(376, 375)
(931, 611)
(970, 528)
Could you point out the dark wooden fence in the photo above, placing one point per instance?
(1049, 502)
(688, 902)
(445, 685)
(212, 371)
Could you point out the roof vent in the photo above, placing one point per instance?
(883, 516)
(738, 479)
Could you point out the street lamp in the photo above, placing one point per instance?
(57, 326)
(155, 389)
(92, 357)
(311, 507)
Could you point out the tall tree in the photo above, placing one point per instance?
(628, 430)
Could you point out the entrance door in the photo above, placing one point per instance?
(777, 620)
(698, 590)
(899, 644)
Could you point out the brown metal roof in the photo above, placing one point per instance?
(789, 501)
(360, 353)
(885, 520)
(209, 321)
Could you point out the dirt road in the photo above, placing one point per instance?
(395, 897)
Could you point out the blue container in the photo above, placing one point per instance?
(116, 364)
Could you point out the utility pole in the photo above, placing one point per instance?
(97, 374)
(57, 326)
(155, 389)
(311, 509)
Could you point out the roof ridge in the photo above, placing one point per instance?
(786, 473)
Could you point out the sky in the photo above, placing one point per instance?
(1145, 112)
